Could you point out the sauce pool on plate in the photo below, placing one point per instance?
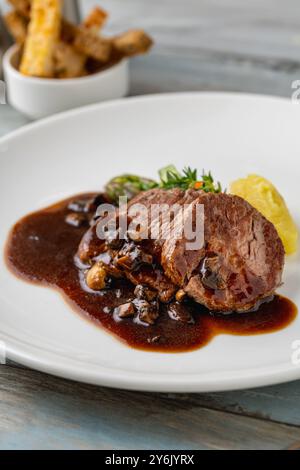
(41, 249)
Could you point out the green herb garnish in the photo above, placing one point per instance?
(127, 185)
(209, 186)
(170, 177)
(188, 179)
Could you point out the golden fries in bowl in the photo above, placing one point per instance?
(56, 65)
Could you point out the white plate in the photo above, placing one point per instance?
(77, 151)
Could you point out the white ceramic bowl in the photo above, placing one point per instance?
(41, 97)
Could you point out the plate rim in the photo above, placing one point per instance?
(153, 382)
(132, 99)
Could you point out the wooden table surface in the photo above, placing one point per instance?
(200, 45)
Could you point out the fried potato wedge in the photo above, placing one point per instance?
(23, 7)
(92, 45)
(95, 20)
(43, 34)
(68, 63)
(132, 42)
(17, 26)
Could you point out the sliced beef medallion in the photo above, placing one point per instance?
(238, 266)
(241, 262)
(139, 262)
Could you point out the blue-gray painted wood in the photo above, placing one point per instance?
(39, 411)
(200, 45)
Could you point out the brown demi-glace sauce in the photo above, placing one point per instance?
(41, 249)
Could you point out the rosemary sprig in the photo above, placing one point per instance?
(209, 186)
(188, 179)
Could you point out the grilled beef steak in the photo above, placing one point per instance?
(241, 262)
(239, 265)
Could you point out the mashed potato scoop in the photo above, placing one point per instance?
(263, 195)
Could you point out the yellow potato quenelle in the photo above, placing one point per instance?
(263, 195)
